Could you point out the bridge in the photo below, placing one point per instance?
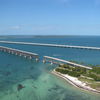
(31, 55)
(20, 53)
(59, 61)
(51, 45)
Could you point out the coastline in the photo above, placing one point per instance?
(75, 82)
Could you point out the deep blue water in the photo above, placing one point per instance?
(86, 56)
(70, 40)
(39, 83)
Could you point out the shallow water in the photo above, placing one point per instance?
(38, 82)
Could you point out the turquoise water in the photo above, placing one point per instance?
(38, 82)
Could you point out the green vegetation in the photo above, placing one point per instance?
(79, 71)
(73, 71)
(90, 77)
(96, 70)
(76, 62)
(91, 83)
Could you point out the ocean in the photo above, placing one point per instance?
(36, 77)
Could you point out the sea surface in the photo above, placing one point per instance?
(36, 78)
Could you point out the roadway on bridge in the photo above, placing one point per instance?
(51, 45)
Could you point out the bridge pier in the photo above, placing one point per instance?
(20, 54)
(30, 57)
(51, 63)
(25, 54)
(37, 59)
(9, 51)
(44, 61)
(12, 52)
(16, 53)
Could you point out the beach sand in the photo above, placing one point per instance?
(74, 81)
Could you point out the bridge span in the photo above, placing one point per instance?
(25, 54)
(31, 55)
(59, 61)
(51, 45)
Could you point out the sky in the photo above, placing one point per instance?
(49, 17)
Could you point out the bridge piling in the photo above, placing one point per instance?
(25, 54)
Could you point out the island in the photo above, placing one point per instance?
(87, 79)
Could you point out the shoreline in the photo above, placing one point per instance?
(75, 82)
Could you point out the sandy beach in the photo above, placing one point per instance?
(74, 81)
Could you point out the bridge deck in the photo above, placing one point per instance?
(52, 45)
(20, 51)
(68, 62)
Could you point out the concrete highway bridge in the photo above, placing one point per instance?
(25, 54)
(51, 45)
(53, 60)
(31, 55)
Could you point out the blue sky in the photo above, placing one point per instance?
(50, 17)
